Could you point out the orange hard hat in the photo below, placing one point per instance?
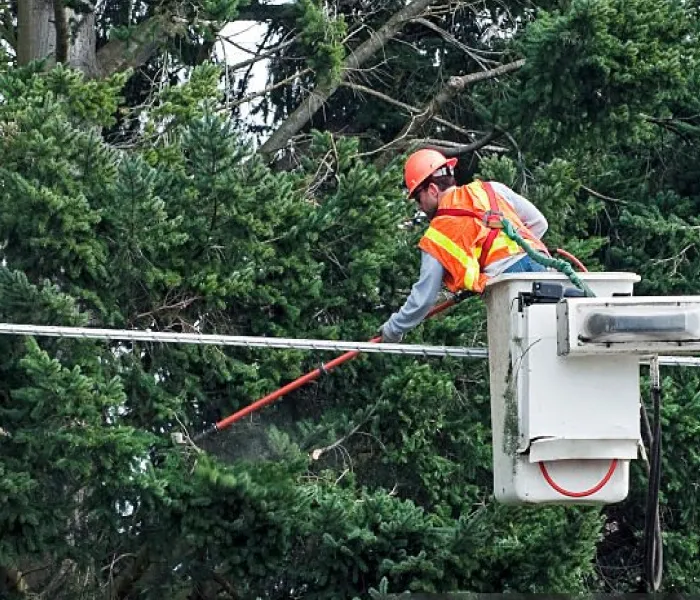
(422, 164)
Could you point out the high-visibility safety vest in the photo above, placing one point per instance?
(465, 235)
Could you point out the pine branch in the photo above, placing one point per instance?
(313, 102)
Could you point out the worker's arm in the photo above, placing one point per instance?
(529, 214)
(419, 302)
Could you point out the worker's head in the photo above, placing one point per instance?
(428, 173)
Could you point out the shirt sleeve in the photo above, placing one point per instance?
(421, 299)
(529, 214)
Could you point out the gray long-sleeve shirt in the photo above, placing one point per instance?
(424, 292)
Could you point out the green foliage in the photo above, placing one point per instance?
(373, 479)
(321, 36)
(220, 10)
(610, 59)
(183, 104)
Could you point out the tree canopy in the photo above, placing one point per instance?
(135, 193)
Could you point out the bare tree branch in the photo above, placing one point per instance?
(602, 196)
(449, 144)
(459, 83)
(253, 95)
(407, 107)
(448, 37)
(258, 57)
(122, 585)
(388, 99)
(460, 149)
(67, 569)
(12, 580)
(320, 95)
(453, 86)
(225, 584)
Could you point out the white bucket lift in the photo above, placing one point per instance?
(564, 428)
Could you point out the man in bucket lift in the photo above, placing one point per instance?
(464, 246)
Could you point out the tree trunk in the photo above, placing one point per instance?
(37, 26)
(81, 50)
(36, 34)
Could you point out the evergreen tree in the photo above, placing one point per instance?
(377, 476)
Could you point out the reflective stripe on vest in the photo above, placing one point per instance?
(470, 264)
(496, 238)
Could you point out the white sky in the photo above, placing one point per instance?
(246, 35)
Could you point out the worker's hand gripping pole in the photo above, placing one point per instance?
(311, 376)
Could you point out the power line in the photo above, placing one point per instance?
(237, 340)
(678, 361)
(278, 343)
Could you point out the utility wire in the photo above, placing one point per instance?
(136, 335)
(238, 340)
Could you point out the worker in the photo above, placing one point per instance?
(459, 249)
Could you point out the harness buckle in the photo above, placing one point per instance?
(493, 219)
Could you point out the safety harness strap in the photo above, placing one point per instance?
(491, 218)
(494, 221)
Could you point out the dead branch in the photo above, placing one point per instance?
(257, 57)
(320, 95)
(460, 82)
(120, 587)
(458, 150)
(12, 580)
(602, 196)
(179, 305)
(448, 91)
(432, 142)
(253, 95)
(388, 99)
(448, 37)
(407, 107)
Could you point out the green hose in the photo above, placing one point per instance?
(555, 263)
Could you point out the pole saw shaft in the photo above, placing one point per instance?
(310, 376)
